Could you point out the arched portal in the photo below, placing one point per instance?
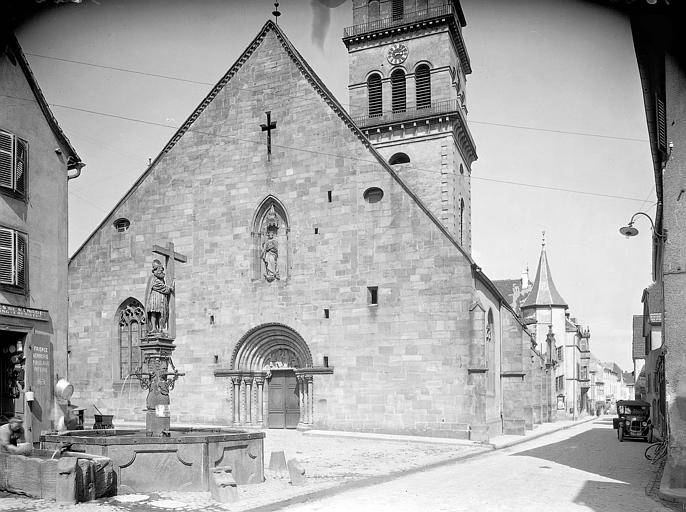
(272, 376)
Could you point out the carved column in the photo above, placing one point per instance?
(236, 400)
(259, 381)
(248, 399)
(309, 379)
(301, 397)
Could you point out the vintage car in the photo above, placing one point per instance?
(633, 420)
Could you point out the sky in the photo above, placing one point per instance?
(555, 109)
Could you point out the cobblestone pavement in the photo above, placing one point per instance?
(331, 464)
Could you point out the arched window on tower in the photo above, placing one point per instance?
(397, 9)
(374, 93)
(399, 158)
(461, 220)
(131, 322)
(422, 78)
(398, 91)
(373, 11)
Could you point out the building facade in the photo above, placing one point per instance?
(315, 286)
(36, 161)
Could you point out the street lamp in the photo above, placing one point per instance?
(629, 230)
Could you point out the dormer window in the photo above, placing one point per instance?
(122, 225)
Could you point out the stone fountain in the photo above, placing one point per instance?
(163, 458)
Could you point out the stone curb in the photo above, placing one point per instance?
(524, 439)
(667, 492)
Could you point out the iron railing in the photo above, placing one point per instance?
(397, 21)
(409, 112)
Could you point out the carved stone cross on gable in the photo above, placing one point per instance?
(271, 125)
(169, 257)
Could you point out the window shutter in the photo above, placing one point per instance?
(423, 86)
(6, 159)
(6, 256)
(22, 165)
(375, 98)
(21, 259)
(398, 101)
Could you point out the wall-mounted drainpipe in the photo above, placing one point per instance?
(74, 166)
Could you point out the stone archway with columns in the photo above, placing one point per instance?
(261, 350)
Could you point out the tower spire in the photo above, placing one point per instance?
(276, 12)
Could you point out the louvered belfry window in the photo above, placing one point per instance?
(374, 91)
(12, 257)
(14, 161)
(397, 9)
(398, 91)
(423, 86)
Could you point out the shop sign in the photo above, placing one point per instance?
(20, 312)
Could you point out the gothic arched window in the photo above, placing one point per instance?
(490, 351)
(398, 91)
(131, 323)
(374, 94)
(422, 77)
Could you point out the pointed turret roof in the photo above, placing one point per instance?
(543, 292)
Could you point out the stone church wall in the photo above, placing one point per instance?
(399, 366)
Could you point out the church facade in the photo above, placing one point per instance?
(320, 279)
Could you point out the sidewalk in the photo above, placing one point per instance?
(333, 461)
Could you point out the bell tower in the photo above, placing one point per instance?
(408, 67)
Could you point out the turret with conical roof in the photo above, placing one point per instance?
(544, 292)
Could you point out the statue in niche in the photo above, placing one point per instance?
(157, 301)
(270, 247)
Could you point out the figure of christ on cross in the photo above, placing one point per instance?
(160, 296)
(271, 125)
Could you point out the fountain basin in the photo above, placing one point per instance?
(40, 475)
(180, 461)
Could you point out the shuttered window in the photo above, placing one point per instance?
(661, 120)
(398, 91)
(14, 162)
(13, 255)
(423, 86)
(375, 98)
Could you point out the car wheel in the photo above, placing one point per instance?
(621, 435)
(650, 436)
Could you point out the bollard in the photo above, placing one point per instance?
(297, 473)
(277, 462)
(223, 487)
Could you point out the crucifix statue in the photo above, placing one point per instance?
(159, 297)
(271, 125)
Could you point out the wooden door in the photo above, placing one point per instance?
(283, 404)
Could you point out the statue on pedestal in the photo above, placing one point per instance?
(157, 301)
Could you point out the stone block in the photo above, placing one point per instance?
(478, 433)
(65, 486)
(223, 487)
(516, 427)
(296, 472)
(277, 462)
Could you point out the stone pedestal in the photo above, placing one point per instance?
(157, 376)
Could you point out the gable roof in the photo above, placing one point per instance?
(14, 52)
(330, 100)
(544, 292)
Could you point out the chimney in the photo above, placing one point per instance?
(525, 278)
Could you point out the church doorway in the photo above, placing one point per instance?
(283, 410)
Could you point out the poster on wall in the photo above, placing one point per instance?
(561, 403)
(39, 380)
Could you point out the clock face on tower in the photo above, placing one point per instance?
(397, 53)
